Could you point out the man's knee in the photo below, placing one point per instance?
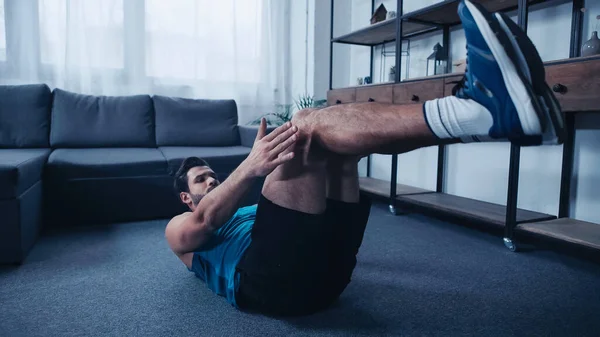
(305, 120)
(307, 143)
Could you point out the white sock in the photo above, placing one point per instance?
(453, 117)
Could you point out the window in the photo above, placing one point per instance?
(82, 33)
(205, 39)
(2, 33)
(185, 42)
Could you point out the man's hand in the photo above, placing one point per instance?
(268, 150)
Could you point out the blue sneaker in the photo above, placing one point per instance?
(506, 75)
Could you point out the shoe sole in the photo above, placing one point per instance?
(554, 131)
(538, 115)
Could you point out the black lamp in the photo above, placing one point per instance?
(437, 61)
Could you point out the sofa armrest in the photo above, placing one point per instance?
(248, 133)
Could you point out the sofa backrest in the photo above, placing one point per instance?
(25, 116)
(101, 121)
(195, 122)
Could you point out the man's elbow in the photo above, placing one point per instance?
(194, 236)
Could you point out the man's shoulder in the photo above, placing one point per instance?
(178, 219)
(173, 233)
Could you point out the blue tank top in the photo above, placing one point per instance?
(215, 262)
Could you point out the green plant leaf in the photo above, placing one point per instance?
(304, 102)
(320, 103)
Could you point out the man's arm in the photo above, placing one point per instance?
(221, 203)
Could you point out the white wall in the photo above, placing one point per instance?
(480, 171)
(341, 52)
(411, 6)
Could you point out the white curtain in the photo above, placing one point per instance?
(235, 49)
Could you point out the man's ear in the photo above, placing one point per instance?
(185, 198)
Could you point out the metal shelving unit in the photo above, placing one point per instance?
(442, 17)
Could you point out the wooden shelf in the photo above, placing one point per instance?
(572, 60)
(446, 12)
(382, 32)
(412, 28)
(409, 80)
(371, 85)
(469, 209)
(566, 229)
(422, 21)
(431, 77)
(382, 188)
(379, 33)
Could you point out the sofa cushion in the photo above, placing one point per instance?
(83, 121)
(190, 122)
(25, 116)
(223, 160)
(248, 133)
(105, 163)
(20, 169)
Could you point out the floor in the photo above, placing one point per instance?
(416, 276)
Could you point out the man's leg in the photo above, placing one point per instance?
(342, 178)
(503, 96)
(347, 212)
(285, 270)
(360, 129)
(300, 184)
(342, 133)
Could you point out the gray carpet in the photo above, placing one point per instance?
(416, 277)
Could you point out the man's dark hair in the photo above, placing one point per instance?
(181, 179)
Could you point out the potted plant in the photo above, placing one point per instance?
(392, 77)
(284, 112)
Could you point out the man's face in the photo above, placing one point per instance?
(201, 180)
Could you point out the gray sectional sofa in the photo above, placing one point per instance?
(68, 159)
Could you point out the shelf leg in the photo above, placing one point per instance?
(567, 168)
(331, 47)
(515, 158)
(393, 184)
(513, 192)
(440, 169)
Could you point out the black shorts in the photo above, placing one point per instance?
(300, 263)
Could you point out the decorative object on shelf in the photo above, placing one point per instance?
(437, 61)
(359, 81)
(392, 76)
(391, 15)
(389, 52)
(592, 46)
(379, 15)
(368, 80)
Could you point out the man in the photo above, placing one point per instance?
(295, 251)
